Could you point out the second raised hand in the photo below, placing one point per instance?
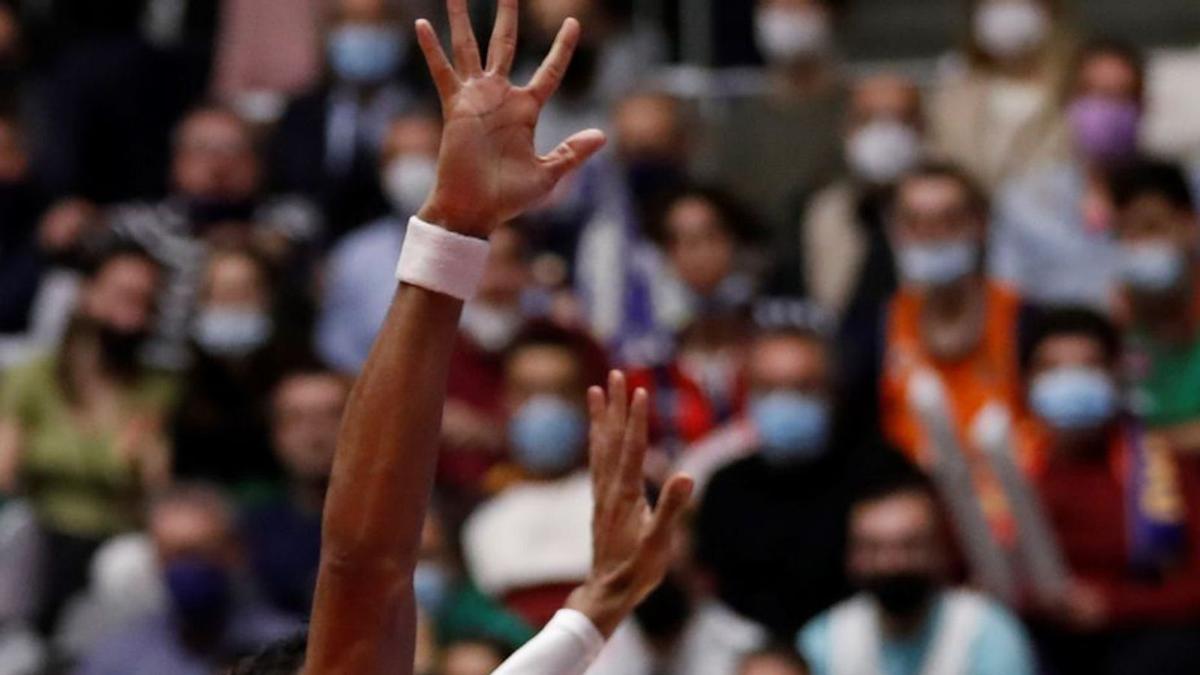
(488, 170)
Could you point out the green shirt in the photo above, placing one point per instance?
(1167, 379)
(72, 474)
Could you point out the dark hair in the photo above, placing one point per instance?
(779, 651)
(1071, 321)
(977, 199)
(97, 252)
(1151, 177)
(589, 355)
(735, 219)
(1107, 46)
(891, 475)
(285, 657)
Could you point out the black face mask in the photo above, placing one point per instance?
(900, 595)
(204, 212)
(18, 210)
(653, 179)
(121, 349)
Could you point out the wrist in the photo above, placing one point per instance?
(604, 603)
(453, 220)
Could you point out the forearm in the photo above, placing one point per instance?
(566, 646)
(379, 490)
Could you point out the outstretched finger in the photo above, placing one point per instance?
(633, 445)
(597, 438)
(618, 406)
(439, 66)
(573, 152)
(550, 74)
(462, 38)
(503, 46)
(672, 503)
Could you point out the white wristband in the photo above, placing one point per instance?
(442, 261)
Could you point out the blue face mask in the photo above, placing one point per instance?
(1071, 399)
(792, 426)
(431, 586)
(547, 435)
(200, 590)
(365, 54)
(1152, 268)
(937, 264)
(231, 332)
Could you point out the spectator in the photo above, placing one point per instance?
(1133, 603)
(773, 661)
(1000, 116)
(473, 657)
(211, 619)
(1052, 234)
(450, 602)
(283, 532)
(947, 322)
(770, 526)
(1156, 228)
(681, 628)
(653, 147)
(847, 265)
(21, 263)
(361, 279)
(220, 430)
(546, 513)
(704, 235)
(754, 150)
(81, 429)
(11, 53)
(217, 191)
(330, 141)
(906, 619)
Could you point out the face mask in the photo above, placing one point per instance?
(882, 150)
(649, 179)
(1152, 268)
(121, 349)
(1105, 129)
(547, 435)
(787, 36)
(431, 586)
(1074, 398)
(792, 427)
(900, 595)
(231, 332)
(490, 327)
(204, 212)
(408, 180)
(937, 265)
(200, 591)
(1007, 30)
(365, 54)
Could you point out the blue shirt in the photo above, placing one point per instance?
(359, 286)
(1000, 646)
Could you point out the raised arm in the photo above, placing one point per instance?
(488, 173)
(631, 542)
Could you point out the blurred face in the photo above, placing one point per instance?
(409, 165)
(9, 34)
(215, 158)
(770, 664)
(790, 32)
(470, 658)
(700, 248)
(543, 370)
(895, 550)
(1153, 219)
(883, 137)
(363, 12)
(885, 97)
(122, 295)
(1105, 112)
(1110, 76)
(789, 364)
(507, 273)
(413, 135)
(648, 127)
(14, 161)
(936, 234)
(235, 281)
(547, 16)
(189, 531)
(1073, 390)
(308, 414)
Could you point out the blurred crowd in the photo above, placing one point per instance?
(931, 349)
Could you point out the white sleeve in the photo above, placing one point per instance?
(566, 646)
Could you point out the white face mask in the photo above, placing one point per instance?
(408, 180)
(883, 149)
(789, 35)
(491, 327)
(1009, 29)
(231, 332)
(937, 265)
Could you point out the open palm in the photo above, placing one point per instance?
(488, 171)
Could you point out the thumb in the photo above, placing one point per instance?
(573, 152)
(670, 509)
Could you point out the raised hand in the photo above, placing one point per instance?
(631, 541)
(488, 171)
